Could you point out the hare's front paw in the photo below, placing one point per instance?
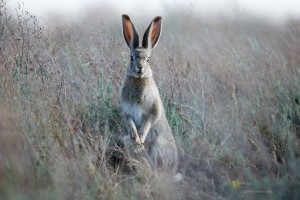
(138, 142)
(140, 145)
(136, 139)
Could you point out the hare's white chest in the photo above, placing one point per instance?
(134, 110)
(137, 110)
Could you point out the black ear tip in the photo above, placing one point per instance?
(158, 18)
(124, 16)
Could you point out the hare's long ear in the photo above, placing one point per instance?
(152, 33)
(130, 33)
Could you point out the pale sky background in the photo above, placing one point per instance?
(269, 9)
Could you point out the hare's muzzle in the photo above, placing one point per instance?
(139, 69)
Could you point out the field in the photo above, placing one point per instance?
(230, 87)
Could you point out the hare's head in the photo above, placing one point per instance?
(140, 54)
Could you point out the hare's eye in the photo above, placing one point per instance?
(131, 58)
(148, 60)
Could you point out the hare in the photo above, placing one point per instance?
(141, 104)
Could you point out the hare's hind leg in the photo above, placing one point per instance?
(164, 157)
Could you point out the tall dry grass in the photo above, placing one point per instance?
(230, 89)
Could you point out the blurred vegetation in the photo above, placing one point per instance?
(230, 89)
